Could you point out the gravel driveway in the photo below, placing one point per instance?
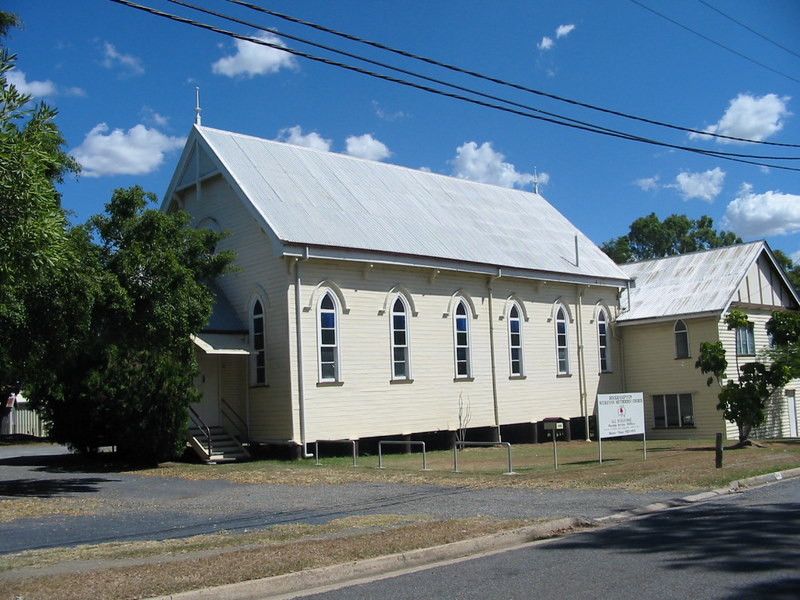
(126, 506)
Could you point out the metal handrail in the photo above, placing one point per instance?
(462, 444)
(403, 442)
(200, 424)
(227, 408)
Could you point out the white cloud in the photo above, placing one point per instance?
(294, 135)
(648, 183)
(39, 89)
(151, 116)
(705, 186)
(564, 30)
(34, 88)
(385, 114)
(136, 152)
(482, 163)
(561, 31)
(759, 215)
(750, 117)
(546, 43)
(253, 59)
(113, 58)
(366, 146)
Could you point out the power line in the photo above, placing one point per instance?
(590, 128)
(715, 42)
(750, 29)
(497, 80)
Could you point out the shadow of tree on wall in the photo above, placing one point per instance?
(712, 537)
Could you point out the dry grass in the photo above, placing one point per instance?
(265, 559)
(670, 466)
(15, 508)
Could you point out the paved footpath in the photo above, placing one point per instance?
(126, 506)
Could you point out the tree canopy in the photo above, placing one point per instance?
(110, 358)
(649, 237)
(744, 400)
(95, 320)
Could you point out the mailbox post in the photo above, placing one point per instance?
(554, 425)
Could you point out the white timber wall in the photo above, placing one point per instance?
(651, 368)
(368, 403)
(260, 272)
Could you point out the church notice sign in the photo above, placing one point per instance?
(618, 415)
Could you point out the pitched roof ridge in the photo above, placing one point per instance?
(692, 253)
(344, 156)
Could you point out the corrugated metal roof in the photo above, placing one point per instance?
(699, 282)
(316, 198)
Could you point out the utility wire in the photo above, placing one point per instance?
(750, 29)
(456, 69)
(451, 85)
(715, 42)
(391, 79)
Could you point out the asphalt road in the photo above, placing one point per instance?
(126, 506)
(742, 545)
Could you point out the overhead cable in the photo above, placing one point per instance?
(715, 42)
(591, 126)
(750, 29)
(496, 80)
(593, 129)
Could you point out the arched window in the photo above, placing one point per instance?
(401, 358)
(681, 340)
(515, 341)
(328, 336)
(462, 341)
(602, 341)
(259, 356)
(562, 342)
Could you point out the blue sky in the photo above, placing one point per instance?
(124, 84)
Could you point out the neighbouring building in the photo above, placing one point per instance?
(680, 301)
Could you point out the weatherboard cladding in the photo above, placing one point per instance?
(315, 198)
(690, 284)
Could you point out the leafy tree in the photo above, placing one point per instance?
(743, 401)
(649, 237)
(787, 264)
(33, 226)
(123, 375)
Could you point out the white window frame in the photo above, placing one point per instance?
(324, 343)
(683, 420)
(519, 345)
(400, 339)
(745, 341)
(258, 337)
(603, 347)
(681, 334)
(562, 345)
(462, 342)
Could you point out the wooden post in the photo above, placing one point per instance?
(719, 451)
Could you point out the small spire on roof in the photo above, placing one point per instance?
(535, 181)
(197, 119)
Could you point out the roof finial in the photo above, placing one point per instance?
(535, 181)
(197, 119)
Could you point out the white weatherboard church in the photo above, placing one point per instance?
(376, 301)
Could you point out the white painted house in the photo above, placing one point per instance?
(679, 302)
(373, 300)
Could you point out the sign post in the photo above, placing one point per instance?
(619, 415)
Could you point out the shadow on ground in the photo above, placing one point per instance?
(726, 539)
(49, 488)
